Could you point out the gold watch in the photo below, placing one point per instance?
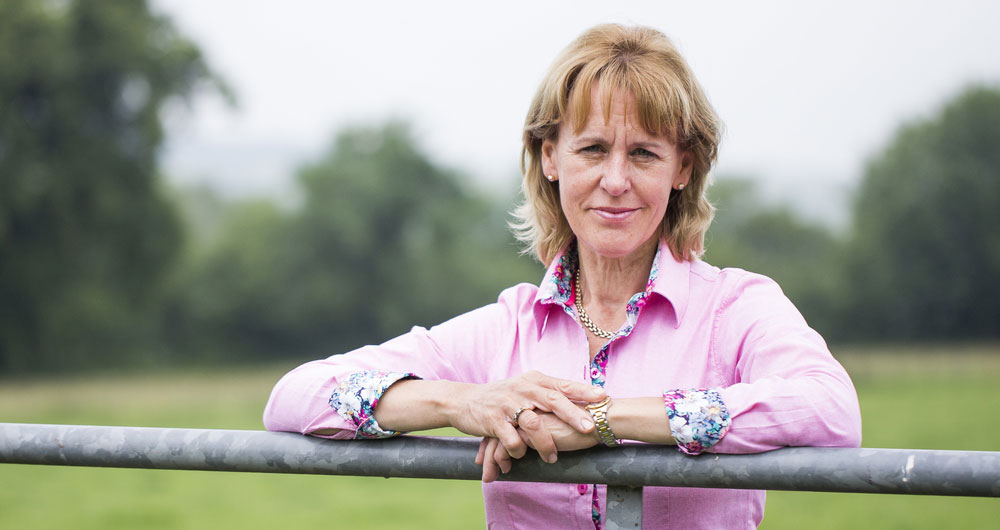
(599, 411)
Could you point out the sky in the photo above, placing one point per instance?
(808, 91)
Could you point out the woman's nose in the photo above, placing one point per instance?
(616, 179)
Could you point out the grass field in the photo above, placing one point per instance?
(932, 398)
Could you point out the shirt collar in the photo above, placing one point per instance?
(668, 278)
(673, 281)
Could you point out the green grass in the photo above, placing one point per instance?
(937, 398)
(89, 498)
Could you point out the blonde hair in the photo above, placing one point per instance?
(669, 101)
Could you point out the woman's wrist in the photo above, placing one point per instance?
(641, 419)
(453, 402)
(599, 412)
(416, 405)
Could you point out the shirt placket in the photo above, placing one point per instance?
(598, 376)
(599, 371)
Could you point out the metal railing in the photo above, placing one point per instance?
(625, 470)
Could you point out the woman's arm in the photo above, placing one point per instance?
(646, 419)
(789, 389)
(640, 419)
(336, 396)
(486, 409)
(378, 404)
(377, 391)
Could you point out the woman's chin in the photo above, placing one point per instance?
(616, 245)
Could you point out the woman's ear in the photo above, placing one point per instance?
(549, 168)
(684, 174)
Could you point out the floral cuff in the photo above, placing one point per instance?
(356, 398)
(698, 418)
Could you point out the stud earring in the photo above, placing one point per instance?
(552, 178)
(680, 187)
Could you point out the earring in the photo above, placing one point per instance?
(552, 178)
(680, 187)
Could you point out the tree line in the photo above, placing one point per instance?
(103, 264)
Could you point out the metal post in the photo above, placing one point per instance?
(624, 508)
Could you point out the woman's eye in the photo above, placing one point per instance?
(643, 153)
(596, 148)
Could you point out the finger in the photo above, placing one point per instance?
(538, 436)
(524, 437)
(570, 413)
(573, 390)
(577, 391)
(481, 453)
(490, 468)
(511, 440)
(502, 458)
(553, 400)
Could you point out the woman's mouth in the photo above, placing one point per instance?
(614, 213)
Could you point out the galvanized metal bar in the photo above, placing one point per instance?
(624, 508)
(901, 471)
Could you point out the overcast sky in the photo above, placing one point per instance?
(807, 90)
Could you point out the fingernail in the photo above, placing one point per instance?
(596, 391)
(551, 458)
(586, 424)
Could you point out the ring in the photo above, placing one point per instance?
(517, 415)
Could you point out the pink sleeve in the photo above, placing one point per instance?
(790, 389)
(457, 350)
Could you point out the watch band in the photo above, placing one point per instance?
(599, 411)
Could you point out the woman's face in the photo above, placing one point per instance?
(614, 178)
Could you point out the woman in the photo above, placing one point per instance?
(618, 144)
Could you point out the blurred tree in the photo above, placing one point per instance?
(86, 235)
(384, 240)
(227, 299)
(771, 240)
(925, 249)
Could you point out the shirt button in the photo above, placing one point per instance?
(581, 489)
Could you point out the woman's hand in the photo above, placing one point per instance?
(495, 459)
(486, 410)
(565, 437)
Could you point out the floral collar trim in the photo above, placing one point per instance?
(557, 286)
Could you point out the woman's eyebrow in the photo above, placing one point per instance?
(645, 144)
(597, 139)
(591, 139)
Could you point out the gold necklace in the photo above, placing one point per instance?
(584, 319)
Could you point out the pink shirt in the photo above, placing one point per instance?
(699, 327)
